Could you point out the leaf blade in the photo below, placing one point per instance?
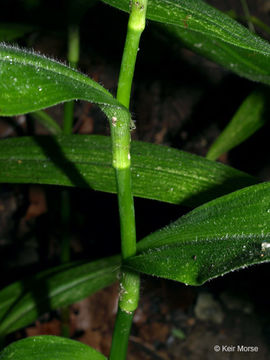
(31, 82)
(158, 172)
(22, 302)
(249, 118)
(212, 34)
(52, 347)
(225, 234)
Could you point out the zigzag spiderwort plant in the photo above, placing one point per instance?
(211, 240)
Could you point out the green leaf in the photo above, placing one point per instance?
(49, 347)
(30, 82)
(211, 33)
(9, 31)
(158, 172)
(22, 302)
(225, 234)
(11, 293)
(250, 117)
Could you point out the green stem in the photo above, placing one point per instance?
(68, 117)
(65, 322)
(73, 58)
(136, 26)
(128, 302)
(73, 45)
(120, 132)
(121, 333)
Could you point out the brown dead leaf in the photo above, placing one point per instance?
(86, 122)
(52, 327)
(38, 203)
(95, 317)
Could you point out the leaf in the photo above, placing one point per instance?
(30, 82)
(158, 172)
(9, 31)
(22, 302)
(211, 33)
(11, 293)
(49, 347)
(250, 117)
(225, 234)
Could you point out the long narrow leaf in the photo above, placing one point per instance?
(23, 301)
(11, 293)
(158, 172)
(30, 82)
(225, 234)
(249, 118)
(49, 348)
(212, 34)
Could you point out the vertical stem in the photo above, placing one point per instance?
(121, 333)
(73, 58)
(73, 45)
(68, 117)
(136, 26)
(120, 131)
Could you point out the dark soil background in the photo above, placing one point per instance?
(179, 99)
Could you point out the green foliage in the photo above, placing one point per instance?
(23, 301)
(230, 232)
(211, 33)
(158, 172)
(32, 82)
(49, 347)
(225, 234)
(250, 117)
